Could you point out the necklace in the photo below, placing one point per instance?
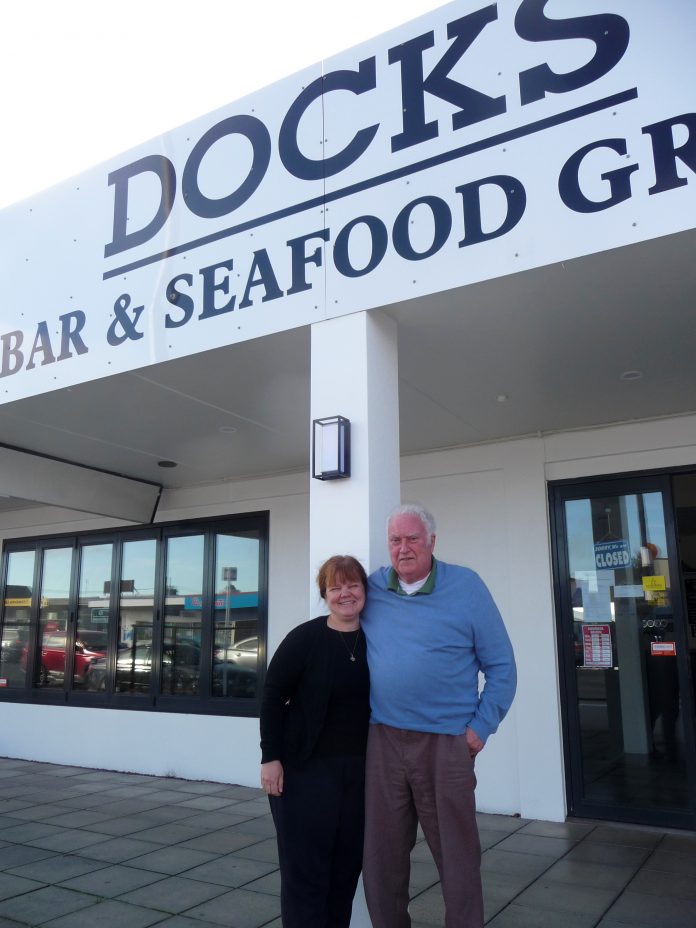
(351, 651)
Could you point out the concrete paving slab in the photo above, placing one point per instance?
(263, 850)
(11, 885)
(424, 874)
(571, 830)
(124, 825)
(679, 844)
(174, 894)
(212, 821)
(631, 837)
(172, 833)
(230, 871)
(15, 854)
(428, 907)
(518, 916)
(600, 852)
(210, 803)
(77, 818)
(530, 865)
(109, 914)
(172, 860)
(111, 881)
(39, 906)
(582, 873)
(645, 911)
(266, 884)
(536, 844)
(69, 840)
(225, 841)
(181, 921)
(563, 898)
(239, 909)
(670, 862)
(117, 850)
(56, 869)
(658, 883)
(29, 831)
(261, 825)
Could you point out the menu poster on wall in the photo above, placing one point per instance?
(596, 645)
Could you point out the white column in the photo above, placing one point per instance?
(355, 374)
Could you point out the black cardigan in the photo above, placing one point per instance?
(296, 693)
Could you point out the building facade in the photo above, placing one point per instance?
(471, 237)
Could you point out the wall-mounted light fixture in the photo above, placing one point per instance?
(331, 448)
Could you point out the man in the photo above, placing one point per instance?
(430, 628)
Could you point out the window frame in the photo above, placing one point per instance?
(204, 702)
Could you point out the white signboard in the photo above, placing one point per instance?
(480, 140)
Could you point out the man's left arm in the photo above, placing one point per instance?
(497, 663)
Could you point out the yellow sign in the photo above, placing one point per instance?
(18, 602)
(654, 583)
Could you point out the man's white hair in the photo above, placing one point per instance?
(414, 509)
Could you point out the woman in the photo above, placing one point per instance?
(314, 719)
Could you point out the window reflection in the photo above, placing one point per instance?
(136, 616)
(181, 649)
(53, 617)
(91, 636)
(236, 643)
(16, 617)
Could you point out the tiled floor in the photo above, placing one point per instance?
(96, 849)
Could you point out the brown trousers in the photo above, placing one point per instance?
(416, 776)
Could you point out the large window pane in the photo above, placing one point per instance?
(236, 642)
(181, 647)
(16, 617)
(136, 616)
(53, 616)
(91, 636)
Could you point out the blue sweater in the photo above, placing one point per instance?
(425, 652)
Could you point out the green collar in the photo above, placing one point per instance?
(395, 587)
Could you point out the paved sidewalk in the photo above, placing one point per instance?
(83, 848)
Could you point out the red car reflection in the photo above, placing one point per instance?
(89, 646)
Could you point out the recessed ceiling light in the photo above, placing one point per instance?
(227, 429)
(631, 375)
(502, 398)
(167, 464)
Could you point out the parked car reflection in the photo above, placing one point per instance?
(235, 669)
(13, 644)
(90, 646)
(180, 669)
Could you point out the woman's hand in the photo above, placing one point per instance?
(272, 778)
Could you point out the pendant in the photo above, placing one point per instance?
(352, 658)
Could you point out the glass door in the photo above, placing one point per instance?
(629, 707)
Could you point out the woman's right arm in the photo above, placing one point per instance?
(282, 679)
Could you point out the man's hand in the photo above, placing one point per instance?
(474, 742)
(272, 778)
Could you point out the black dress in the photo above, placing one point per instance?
(314, 719)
